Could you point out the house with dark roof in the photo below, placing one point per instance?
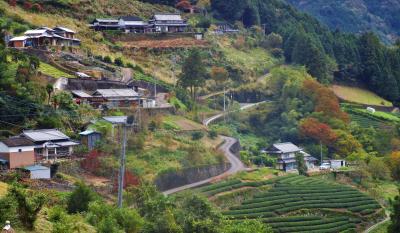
(49, 143)
(286, 156)
(168, 22)
(133, 24)
(104, 24)
(16, 152)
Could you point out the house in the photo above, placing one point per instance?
(90, 138)
(38, 172)
(105, 24)
(81, 97)
(49, 143)
(171, 23)
(224, 28)
(44, 36)
(286, 156)
(133, 24)
(17, 152)
(114, 98)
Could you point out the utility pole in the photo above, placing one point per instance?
(320, 149)
(121, 177)
(155, 92)
(224, 103)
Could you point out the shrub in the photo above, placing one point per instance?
(80, 198)
(107, 59)
(197, 135)
(212, 134)
(119, 62)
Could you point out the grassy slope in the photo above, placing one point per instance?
(358, 95)
(52, 71)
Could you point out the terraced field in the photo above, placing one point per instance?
(300, 204)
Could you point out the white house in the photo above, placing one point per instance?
(286, 156)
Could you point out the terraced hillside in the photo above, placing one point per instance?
(300, 204)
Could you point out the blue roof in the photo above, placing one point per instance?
(88, 132)
(3, 161)
(36, 168)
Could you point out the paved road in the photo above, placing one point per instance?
(236, 164)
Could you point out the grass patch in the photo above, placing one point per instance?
(3, 189)
(52, 71)
(359, 95)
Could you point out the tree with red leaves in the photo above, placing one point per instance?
(12, 3)
(184, 5)
(37, 7)
(312, 128)
(27, 5)
(130, 180)
(92, 162)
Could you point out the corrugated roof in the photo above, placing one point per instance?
(36, 31)
(19, 38)
(286, 147)
(87, 132)
(36, 168)
(107, 20)
(17, 142)
(163, 17)
(116, 119)
(64, 29)
(45, 135)
(81, 94)
(109, 93)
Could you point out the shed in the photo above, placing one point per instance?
(335, 164)
(38, 172)
(89, 138)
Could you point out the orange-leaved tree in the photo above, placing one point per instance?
(313, 128)
(394, 164)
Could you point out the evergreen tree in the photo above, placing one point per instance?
(193, 73)
(301, 166)
(394, 227)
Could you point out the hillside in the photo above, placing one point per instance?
(358, 16)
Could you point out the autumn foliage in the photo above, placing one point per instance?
(313, 128)
(12, 3)
(130, 180)
(325, 100)
(92, 162)
(394, 164)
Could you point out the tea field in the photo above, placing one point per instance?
(296, 203)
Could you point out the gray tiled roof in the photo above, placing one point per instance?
(286, 147)
(45, 135)
(109, 93)
(163, 17)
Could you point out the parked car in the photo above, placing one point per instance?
(325, 166)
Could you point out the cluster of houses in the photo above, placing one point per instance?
(160, 22)
(44, 36)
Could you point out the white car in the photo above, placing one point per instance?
(325, 166)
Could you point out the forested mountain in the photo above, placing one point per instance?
(326, 54)
(358, 16)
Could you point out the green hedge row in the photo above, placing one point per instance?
(313, 227)
(328, 230)
(308, 223)
(291, 219)
(218, 185)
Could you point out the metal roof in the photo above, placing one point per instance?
(81, 94)
(107, 20)
(286, 147)
(36, 168)
(109, 93)
(162, 17)
(17, 142)
(45, 135)
(19, 38)
(64, 29)
(88, 132)
(36, 31)
(116, 119)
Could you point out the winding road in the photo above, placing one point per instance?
(236, 164)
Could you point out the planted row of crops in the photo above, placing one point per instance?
(291, 194)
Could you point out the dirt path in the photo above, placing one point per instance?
(236, 164)
(371, 228)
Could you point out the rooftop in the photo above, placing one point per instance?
(167, 16)
(45, 135)
(36, 168)
(109, 93)
(131, 18)
(286, 147)
(17, 142)
(116, 119)
(107, 20)
(81, 94)
(64, 29)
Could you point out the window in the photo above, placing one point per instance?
(51, 151)
(19, 150)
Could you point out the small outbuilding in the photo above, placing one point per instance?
(336, 164)
(90, 138)
(38, 172)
